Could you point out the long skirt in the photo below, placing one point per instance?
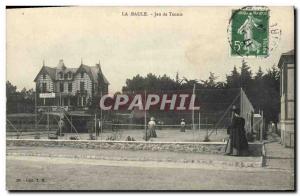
(235, 151)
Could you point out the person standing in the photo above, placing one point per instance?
(61, 126)
(182, 126)
(98, 127)
(150, 132)
(237, 144)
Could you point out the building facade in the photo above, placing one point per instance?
(287, 98)
(71, 88)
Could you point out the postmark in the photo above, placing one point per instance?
(250, 33)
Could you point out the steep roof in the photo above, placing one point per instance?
(66, 70)
(87, 69)
(291, 52)
(92, 71)
(288, 57)
(73, 70)
(49, 70)
(97, 69)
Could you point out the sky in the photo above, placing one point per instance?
(193, 44)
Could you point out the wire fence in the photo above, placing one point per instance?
(208, 123)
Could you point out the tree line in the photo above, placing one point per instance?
(19, 101)
(262, 88)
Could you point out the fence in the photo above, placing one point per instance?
(209, 122)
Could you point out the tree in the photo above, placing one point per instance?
(150, 83)
(257, 93)
(271, 104)
(264, 93)
(134, 84)
(19, 101)
(246, 76)
(211, 82)
(10, 89)
(233, 80)
(259, 74)
(262, 89)
(189, 84)
(177, 78)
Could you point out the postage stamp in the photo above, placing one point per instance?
(250, 32)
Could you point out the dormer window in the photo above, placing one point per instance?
(44, 87)
(44, 76)
(82, 74)
(70, 75)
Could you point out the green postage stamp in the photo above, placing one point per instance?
(250, 33)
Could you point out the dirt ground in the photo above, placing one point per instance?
(164, 135)
(38, 173)
(137, 170)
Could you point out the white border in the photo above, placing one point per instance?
(4, 3)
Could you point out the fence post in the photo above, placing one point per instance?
(199, 121)
(145, 118)
(262, 126)
(193, 115)
(95, 125)
(35, 109)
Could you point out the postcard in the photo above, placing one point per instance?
(150, 98)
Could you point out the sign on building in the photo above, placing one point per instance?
(47, 95)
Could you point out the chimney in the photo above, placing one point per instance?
(61, 64)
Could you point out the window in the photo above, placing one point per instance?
(66, 101)
(84, 101)
(61, 87)
(61, 75)
(70, 87)
(70, 75)
(44, 76)
(81, 87)
(82, 74)
(44, 87)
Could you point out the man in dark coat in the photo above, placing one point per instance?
(237, 144)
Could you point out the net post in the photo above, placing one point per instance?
(145, 117)
(199, 121)
(95, 126)
(101, 119)
(262, 126)
(193, 115)
(199, 128)
(35, 110)
(71, 118)
(241, 101)
(48, 124)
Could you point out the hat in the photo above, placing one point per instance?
(152, 118)
(235, 109)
